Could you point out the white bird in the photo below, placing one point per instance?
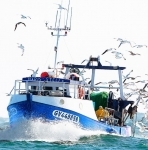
(60, 6)
(21, 47)
(119, 39)
(125, 77)
(108, 50)
(84, 61)
(46, 24)
(25, 17)
(123, 42)
(60, 62)
(133, 54)
(109, 63)
(61, 72)
(140, 126)
(34, 72)
(140, 46)
(101, 83)
(141, 81)
(132, 78)
(113, 81)
(118, 55)
(8, 94)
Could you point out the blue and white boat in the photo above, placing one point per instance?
(51, 98)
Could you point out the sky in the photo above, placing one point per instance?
(95, 24)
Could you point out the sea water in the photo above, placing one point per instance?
(35, 134)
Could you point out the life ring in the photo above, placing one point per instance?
(81, 92)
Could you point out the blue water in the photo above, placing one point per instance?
(37, 135)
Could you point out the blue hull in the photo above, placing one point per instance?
(33, 110)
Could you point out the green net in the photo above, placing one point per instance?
(100, 99)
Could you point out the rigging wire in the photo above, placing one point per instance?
(68, 51)
(48, 56)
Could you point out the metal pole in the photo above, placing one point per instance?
(121, 86)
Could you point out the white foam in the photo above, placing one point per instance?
(49, 132)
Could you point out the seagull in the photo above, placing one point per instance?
(89, 82)
(132, 78)
(60, 62)
(132, 53)
(146, 85)
(101, 83)
(46, 24)
(8, 94)
(34, 72)
(24, 17)
(109, 63)
(113, 81)
(127, 74)
(18, 24)
(123, 42)
(129, 84)
(119, 39)
(84, 61)
(118, 55)
(60, 6)
(107, 50)
(142, 81)
(61, 72)
(21, 47)
(139, 46)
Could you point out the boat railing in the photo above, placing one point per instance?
(67, 90)
(43, 88)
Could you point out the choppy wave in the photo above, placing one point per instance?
(36, 130)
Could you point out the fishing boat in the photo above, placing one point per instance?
(52, 98)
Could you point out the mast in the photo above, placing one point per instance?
(56, 31)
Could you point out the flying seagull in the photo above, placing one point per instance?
(60, 62)
(107, 50)
(118, 55)
(34, 72)
(123, 42)
(141, 81)
(113, 81)
(60, 6)
(109, 63)
(21, 47)
(61, 72)
(25, 17)
(101, 83)
(140, 46)
(132, 78)
(84, 61)
(119, 39)
(133, 54)
(46, 24)
(127, 74)
(18, 24)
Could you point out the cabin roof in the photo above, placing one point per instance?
(94, 67)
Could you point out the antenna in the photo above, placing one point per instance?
(56, 19)
(70, 19)
(58, 29)
(67, 13)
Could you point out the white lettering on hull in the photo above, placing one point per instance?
(65, 116)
